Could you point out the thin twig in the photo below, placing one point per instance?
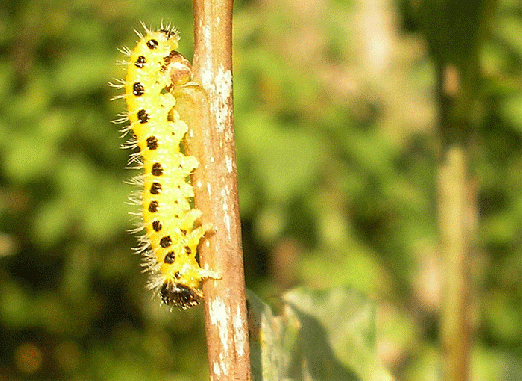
(215, 184)
(457, 225)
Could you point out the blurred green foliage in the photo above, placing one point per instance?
(336, 151)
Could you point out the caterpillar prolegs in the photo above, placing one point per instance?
(172, 232)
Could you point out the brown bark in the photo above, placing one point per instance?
(215, 184)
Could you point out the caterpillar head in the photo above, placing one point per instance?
(179, 295)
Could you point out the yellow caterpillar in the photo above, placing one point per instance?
(172, 234)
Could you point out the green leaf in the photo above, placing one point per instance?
(338, 340)
(321, 335)
(272, 339)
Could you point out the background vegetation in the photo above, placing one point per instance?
(336, 146)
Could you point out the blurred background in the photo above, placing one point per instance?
(335, 124)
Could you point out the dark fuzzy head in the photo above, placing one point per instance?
(175, 294)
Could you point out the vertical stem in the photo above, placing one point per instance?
(455, 32)
(455, 329)
(456, 204)
(215, 184)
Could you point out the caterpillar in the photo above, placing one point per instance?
(169, 220)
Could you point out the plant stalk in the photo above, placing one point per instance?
(215, 185)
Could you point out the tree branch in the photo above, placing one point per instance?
(215, 184)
